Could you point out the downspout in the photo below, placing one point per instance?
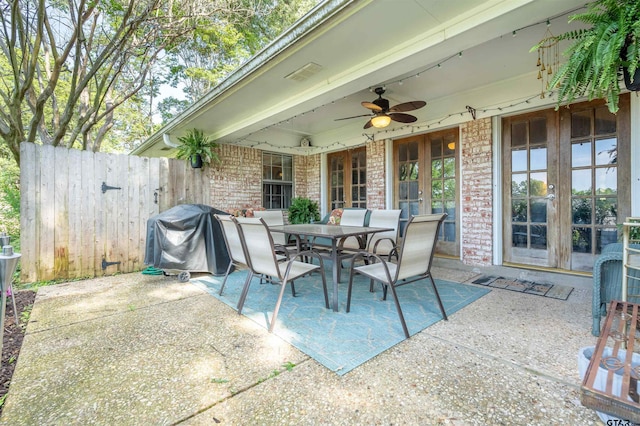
(167, 141)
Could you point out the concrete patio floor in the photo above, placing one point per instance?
(137, 349)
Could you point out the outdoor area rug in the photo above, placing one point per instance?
(561, 292)
(338, 340)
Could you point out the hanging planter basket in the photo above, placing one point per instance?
(196, 161)
(631, 82)
(197, 148)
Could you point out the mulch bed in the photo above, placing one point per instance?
(12, 339)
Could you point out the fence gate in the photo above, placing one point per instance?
(84, 214)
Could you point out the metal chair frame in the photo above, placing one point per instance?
(415, 256)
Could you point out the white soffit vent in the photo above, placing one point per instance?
(304, 72)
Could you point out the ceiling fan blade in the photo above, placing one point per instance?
(407, 106)
(355, 116)
(369, 124)
(402, 118)
(371, 106)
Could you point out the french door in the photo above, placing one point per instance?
(426, 181)
(564, 184)
(348, 179)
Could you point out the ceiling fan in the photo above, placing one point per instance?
(382, 115)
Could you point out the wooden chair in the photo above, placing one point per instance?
(415, 256)
(259, 250)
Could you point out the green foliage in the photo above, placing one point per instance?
(634, 231)
(10, 198)
(288, 365)
(303, 210)
(597, 55)
(219, 46)
(25, 315)
(195, 142)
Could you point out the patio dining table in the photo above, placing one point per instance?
(332, 232)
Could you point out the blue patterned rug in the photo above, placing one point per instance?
(338, 340)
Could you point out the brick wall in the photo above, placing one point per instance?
(376, 175)
(476, 181)
(307, 176)
(236, 182)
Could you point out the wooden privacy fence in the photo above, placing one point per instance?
(84, 214)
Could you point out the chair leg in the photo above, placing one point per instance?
(324, 288)
(277, 308)
(349, 289)
(595, 328)
(293, 289)
(435, 289)
(226, 275)
(399, 309)
(245, 290)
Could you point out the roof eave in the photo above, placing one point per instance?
(305, 25)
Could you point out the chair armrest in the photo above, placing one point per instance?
(281, 249)
(362, 242)
(615, 287)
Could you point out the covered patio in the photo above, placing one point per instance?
(134, 348)
(521, 181)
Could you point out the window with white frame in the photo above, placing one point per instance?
(277, 180)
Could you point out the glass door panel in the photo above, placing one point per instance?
(336, 181)
(359, 179)
(530, 194)
(562, 193)
(594, 184)
(408, 176)
(348, 179)
(426, 181)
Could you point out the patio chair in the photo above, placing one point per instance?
(607, 282)
(274, 218)
(380, 243)
(262, 260)
(345, 217)
(353, 217)
(234, 246)
(414, 262)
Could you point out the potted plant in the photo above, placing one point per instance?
(303, 210)
(601, 54)
(198, 148)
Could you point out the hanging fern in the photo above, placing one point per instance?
(598, 54)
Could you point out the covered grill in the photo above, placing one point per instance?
(186, 238)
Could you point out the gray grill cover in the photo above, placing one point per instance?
(187, 237)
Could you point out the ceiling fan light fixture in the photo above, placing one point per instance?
(380, 121)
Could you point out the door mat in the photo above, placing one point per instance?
(561, 292)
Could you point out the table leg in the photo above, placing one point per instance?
(336, 273)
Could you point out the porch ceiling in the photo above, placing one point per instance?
(393, 43)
